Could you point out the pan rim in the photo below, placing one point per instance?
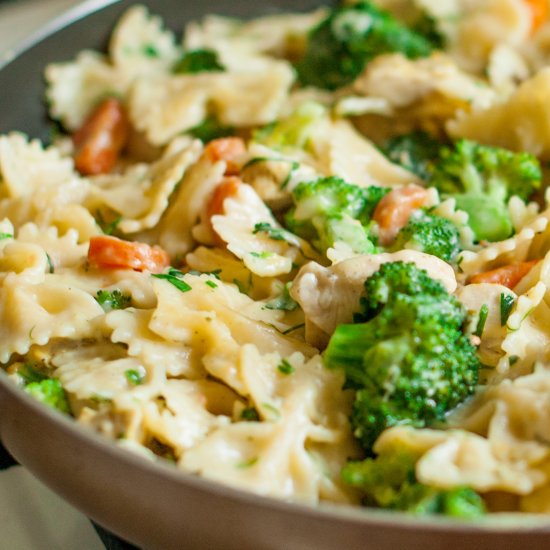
(500, 523)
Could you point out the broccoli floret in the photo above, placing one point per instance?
(408, 358)
(113, 299)
(416, 151)
(198, 61)
(482, 178)
(401, 280)
(51, 393)
(389, 481)
(342, 44)
(293, 131)
(31, 372)
(343, 228)
(426, 26)
(431, 234)
(328, 210)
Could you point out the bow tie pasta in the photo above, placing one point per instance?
(305, 255)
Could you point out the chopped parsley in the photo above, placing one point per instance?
(482, 319)
(250, 414)
(294, 165)
(247, 463)
(150, 50)
(113, 299)
(215, 273)
(6, 236)
(211, 284)
(174, 277)
(262, 255)
(241, 286)
(275, 233)
(506, 304)
(198, 61)
(51, 268)
(134, 377)
(285, 367)
(108, 228)
(284, 301)
(275, 412)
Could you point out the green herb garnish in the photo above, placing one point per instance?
(285, 367)
(284, 301)
(198, 61)
(250, 414)
(482, 319)
(506, 304)
(174, 277)
(134, 377)
(113, 299)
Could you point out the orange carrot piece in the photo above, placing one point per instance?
(539, 13)
(228, 149)
(113, 253)
(394, 210)
(101, 138)
(507, 275)
(227, 188)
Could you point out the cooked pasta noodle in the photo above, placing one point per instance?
(183, 293)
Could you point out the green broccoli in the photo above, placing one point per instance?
(293, 131)
(51, 393)
(37, 382)
(32, 372)
(406, 355)
(342, 44)
(389, 481)
(416, 151)
(113, 299)
(328, 210)
(431, 234)
(426, 26)
(198, 61)
(482, 179)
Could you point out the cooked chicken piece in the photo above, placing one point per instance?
(404, 82)
(330, 295)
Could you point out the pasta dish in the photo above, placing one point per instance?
(306, 255)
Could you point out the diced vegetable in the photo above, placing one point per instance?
(507, 275)
(101, 138)
(110, 252)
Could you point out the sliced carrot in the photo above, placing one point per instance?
(110, 252)
(394, 210)
(228, 149)
(101, 138)
(539, 13)
(228, 187)
(507, 275)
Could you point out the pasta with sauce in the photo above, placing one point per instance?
(176, 269)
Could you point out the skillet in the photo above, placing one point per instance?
(151, 504)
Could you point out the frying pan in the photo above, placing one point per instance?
(151, 504)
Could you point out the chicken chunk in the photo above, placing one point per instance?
(330, 295)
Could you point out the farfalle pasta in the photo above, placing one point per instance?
(296, 255)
